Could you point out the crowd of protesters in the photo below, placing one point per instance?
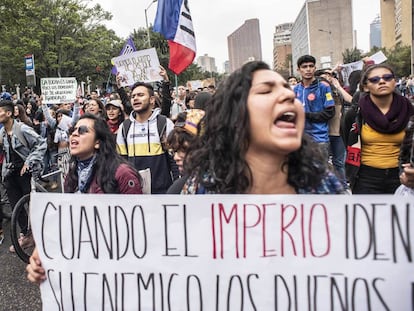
(253, 134)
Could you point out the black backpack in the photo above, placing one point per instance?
(161, 126)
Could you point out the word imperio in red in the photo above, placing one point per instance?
(267, 230)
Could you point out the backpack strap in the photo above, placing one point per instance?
(162, 128)
(161, 124)
(125, 128)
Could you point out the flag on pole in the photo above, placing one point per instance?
(128, 48)
(173, 21)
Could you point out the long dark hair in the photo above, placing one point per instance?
(107, 159)
(23, 117)
(217, 158)
(354, 79)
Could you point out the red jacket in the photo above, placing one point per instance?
(127, 178)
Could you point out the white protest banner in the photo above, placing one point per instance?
(378, 57)
(194, 85)
(141, 66)
(216, 252)
(346, 70)
(58, 90)
(200, 84)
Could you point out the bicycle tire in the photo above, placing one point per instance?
(21, 206)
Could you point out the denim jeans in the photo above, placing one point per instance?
(371, 180)
(338, 153)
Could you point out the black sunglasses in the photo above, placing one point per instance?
(81, 130)
(387, 78)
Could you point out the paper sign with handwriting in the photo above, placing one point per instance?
(142, 66)
(58, 90)
(236, 252)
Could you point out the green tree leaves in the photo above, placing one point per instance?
(66, 37)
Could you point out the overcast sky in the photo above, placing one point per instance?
(214, 20)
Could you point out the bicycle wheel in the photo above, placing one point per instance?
(21, 210)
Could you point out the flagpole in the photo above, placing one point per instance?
(109, 79)
(146, 23)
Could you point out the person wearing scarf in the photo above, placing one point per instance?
(378, 125)
(95, 165)
(114, 115)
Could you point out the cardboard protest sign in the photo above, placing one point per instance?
(346, 70)
(58, 90)
(137, 66)
(215, 252)
(378, 57)
(197, 84)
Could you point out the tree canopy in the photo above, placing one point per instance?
(66, 37)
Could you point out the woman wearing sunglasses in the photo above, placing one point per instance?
(374, 132)
(96, 166)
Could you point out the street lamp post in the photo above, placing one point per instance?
(330, 43)
(146, 22)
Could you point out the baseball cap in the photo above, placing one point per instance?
(115, 103)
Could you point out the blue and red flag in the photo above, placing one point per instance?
(128, 48)
(173, 21)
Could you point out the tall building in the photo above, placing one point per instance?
(396, 22)
(207, 63)
(244, 44)
(323, 29)
(282, 49)
(226, 66)
(375, 33)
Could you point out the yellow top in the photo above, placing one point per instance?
(380, 150)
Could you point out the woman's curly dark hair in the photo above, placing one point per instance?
(219, 153)
(107, 159)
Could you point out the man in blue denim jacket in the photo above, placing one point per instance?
(23, 149)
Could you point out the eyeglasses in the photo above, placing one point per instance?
(387, 78)
(83, 129)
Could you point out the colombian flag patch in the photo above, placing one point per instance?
(328, 96)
